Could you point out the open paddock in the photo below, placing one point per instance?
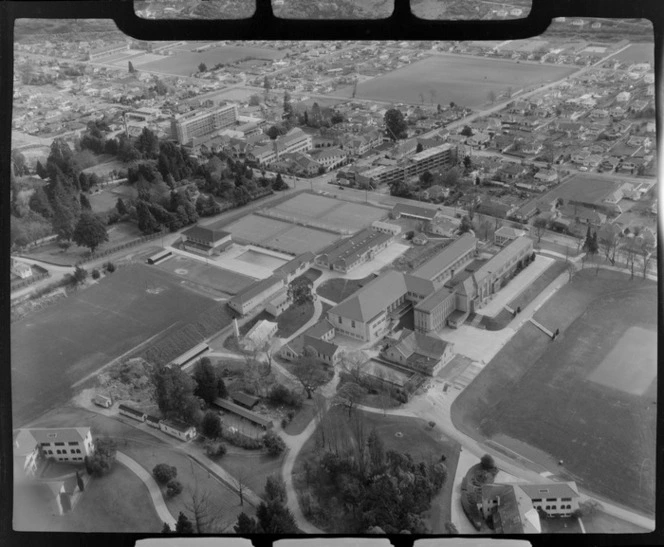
(461, 79)
(591, 391)
(585, 189)
(65, 342)
(183, 63)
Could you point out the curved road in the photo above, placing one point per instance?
(153, 488)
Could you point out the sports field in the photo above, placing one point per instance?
(208, 276)
(585, 189)
(328, 212)
(183, 63)
(278, 235)
(464, 80)
(588, 398)
(64, 343)
(638, 53)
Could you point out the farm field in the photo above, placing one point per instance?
(464, 80)
(221, 282)
(278, 235)
(73, 338)
(638, 53)
(587, 394)
(184, 63)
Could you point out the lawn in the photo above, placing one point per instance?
(301, 419)
(464, 80)
(253, 467)
(75, 337)
(294, 318)
(569, 403)
(339, 289)
(403, 434)
(603, 523)
(185, 63)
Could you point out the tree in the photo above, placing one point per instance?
(90, 231)
(246, 525)
(288, 106)
(209, 383)
(41, 170)
(349, 395)
(266, 85)
(103, 458)
(376, 451)
(279, 184)
(39, 203)
(426, 179)
(63, 220)
(491, 97)
(299, 291)
(183, 525)
(539, 224)
(85, 202)
(79, 275)
(609, 242)
(202, 513)
(275, 518)
(467, 163)
(215, 450)
(202, 67)
(79, 482)
(487, 462)
(254, 100)
(130, 67)
(211, 425)
(275, 489)
(309, 371)
(174, 393)
(148, 144)
(166, 529)
(466, 225)
(121, 207)
(173, 488)
(146, 221)
(646, 256)
(395, 124)
(163, 473)
(467, 131)
(273, 443)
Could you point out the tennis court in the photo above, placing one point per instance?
(300, 239)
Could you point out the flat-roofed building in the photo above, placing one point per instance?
(431, 314)
(202, 122)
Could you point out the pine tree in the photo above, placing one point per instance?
(184, 525)
(41, 170)
(246, 525)
(121, 207)
(146, 222)
(63, 220)
(85, 202)
(90, 231)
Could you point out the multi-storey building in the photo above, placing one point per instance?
(199, 123)
(452, 258)
(348, 253)
(70, 444)
(295, 140)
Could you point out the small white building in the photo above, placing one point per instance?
(70, 444)
(260, 333)
(21, 269)
(178, 429)
(507, 234)
(386, 227)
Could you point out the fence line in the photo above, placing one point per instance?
(16, 285)
(112, 250)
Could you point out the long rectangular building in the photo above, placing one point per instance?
(452, 258)
(348, 253)
(200, 123)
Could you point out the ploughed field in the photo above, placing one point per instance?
(589, 397)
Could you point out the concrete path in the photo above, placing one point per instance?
(155, 492)
(459, 519)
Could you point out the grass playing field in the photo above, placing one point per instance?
(186, 62)
(69, 340)
(219, 281)
(576, 398)
(464, 80)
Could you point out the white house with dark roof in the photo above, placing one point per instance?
(557, 499)
(70, 444)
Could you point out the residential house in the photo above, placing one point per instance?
(444, 226)
(419, 352)
(510, 509)
(70, 444)
(507, 234)
(420, 239)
